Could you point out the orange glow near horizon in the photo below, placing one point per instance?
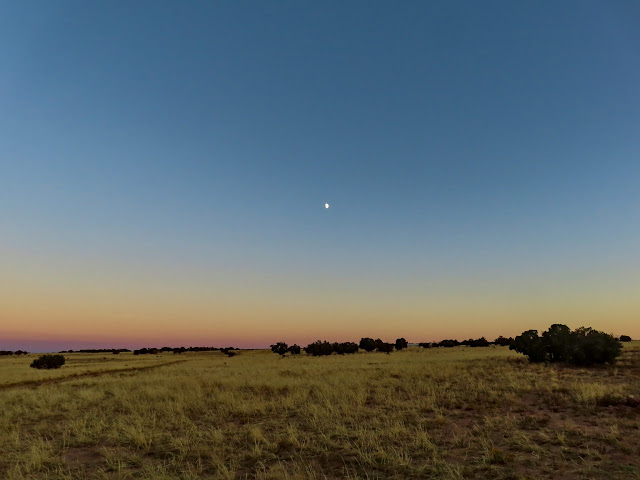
(255, 312)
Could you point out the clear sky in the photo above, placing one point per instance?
(164, 168)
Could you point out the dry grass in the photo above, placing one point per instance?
(443, 413)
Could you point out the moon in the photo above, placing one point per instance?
(326, 205)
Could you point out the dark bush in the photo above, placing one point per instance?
(583, 346)
(345, 348)
(280, 348)
(425, 345)
(503, 342)
(448, 343)
(557, 342)
(480, 342)
(591, 347)
(367, 344)
(401, 344)
(48, 361)
(384, 347)
(625, 338)
(319, 348)
(530, 344)
(295, 349)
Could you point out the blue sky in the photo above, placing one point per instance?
(457, 140)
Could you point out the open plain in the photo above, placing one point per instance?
(440, 413)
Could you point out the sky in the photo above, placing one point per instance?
(164, 167)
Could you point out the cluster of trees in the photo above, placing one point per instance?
(322, 347)
(369, 345)
(9, 352)
(282, 348)
(583, 346)
(625, 338)
(48, 361)
(478, 342)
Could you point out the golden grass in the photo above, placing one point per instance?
(442, 413)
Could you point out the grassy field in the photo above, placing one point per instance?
(459, 413)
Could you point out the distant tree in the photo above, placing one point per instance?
(367, 344)
(280, 348)
(228, 352)
(319, 348)
(295, 349)
(384, 347)
(502, 341)
(479, 342)
(345, 348)
(448, 343)
(425, 345)
(625, 338)
(401, 344)
(48, 361)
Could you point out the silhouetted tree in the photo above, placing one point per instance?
(480, 342)
(448, 343)
(625, 338)
(295, 349)
(401, 344)
(384, 347)
(425, 345)
(503, 342)
(319, 348)
(280, 348)
(557, 343)
(345, 348)
(367, 344)
(530, 344)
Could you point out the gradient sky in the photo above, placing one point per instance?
(164, 168)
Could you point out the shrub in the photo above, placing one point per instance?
(591, 347)
(48, 361)
(583, 346)
(503, 342)
(448, 343)
(529, 344)
(384, 347)
(480, 342)
(401, 344)
(625, 338)
(295, 349)
(425, 345)
(280, 348)
(319, 348)
(345, 348)
(367, 344)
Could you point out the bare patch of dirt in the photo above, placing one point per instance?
(87, 457)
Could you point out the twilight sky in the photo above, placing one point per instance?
(164, 168)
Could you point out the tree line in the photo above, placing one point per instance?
(9, 352)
